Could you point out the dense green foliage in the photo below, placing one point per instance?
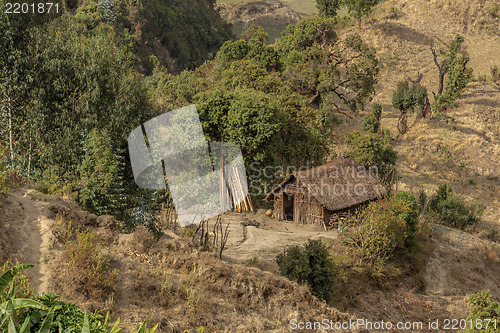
(66, 316)
(453, 210)
(484, 314)
(4, 178)
(73, 91)
(457, 74)
(328, 8)
(383, 228)
(359, 8)
(411, 211)
(70, 81)
(334, 73)
(406, 98)
(310, 265)
(371, 122)
(276, 102)
(44, 313)
(374, 153)
(102, 187)
(177, 35)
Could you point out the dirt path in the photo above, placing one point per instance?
(27, 226)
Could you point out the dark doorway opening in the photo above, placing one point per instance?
(288, 206)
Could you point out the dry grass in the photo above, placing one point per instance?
(87, 274)
(142, 239)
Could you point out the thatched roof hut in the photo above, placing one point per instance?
(316, 194)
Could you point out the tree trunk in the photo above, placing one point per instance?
(443, 68)
(29, 158)
(10, 132)
(441, 80)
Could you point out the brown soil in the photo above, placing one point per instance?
(26, 235)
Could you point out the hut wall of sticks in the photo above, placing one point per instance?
(325, 194)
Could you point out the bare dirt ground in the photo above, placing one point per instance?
(26, 234)
(258, 237)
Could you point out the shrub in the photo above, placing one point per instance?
(453, 210)
(379, 230)
(253, 31)
(406, 98)
(371, 122)
(457, 73)
(484, 314)
(370, 150)
(409, 213)
(9, 179)
(68, 316)
(102, 187)
(22, 283)
(310, 265)
(87, 268)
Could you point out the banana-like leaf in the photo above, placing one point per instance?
(10, 294)
(9, 312)
(115, 328)
(47, 322)
(26, 325)
(106, 321)
(4, 321)
(154, 328)
(86, 326)
(9, 275)
(18, 303)
(12, 326)
(142, 328)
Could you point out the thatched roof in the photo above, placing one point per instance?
(338, 184)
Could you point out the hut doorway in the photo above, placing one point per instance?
(288, 206)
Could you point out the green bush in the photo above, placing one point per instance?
(310, 265)
(101, 184)
(380, 230)
(453, 210)
(370, 150)
(484, 314)
(22, 283)
(67, 316)
(253, 31)
(9, 179)
(371, 122)
(406, 98)
(409, 213)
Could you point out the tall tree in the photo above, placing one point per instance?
(359, 8)
(336, 73)
(328, 8)
(405, 99)
(453, 71)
